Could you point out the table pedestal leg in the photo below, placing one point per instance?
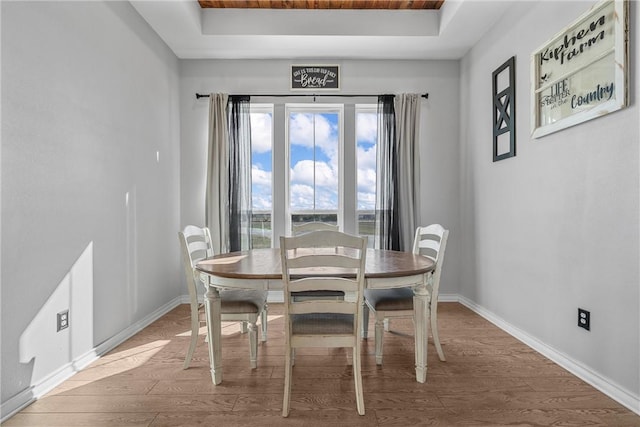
(421, 313)
(213, 312)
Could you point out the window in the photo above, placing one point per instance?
(306, 166)
(261, 175)
(366, 143)
(314, 135)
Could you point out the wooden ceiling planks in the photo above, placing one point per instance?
(323, 4)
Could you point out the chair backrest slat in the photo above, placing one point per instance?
(323, 261)
(198, 242)
(196, 246)
(323, 306)
(431, 241)
(323, 284)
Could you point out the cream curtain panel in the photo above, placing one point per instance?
(407, 109)
(217, 197)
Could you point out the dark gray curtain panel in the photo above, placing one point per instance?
(387, 233)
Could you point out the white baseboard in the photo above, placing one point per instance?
(35, 391)
(449, 298)
(606, 386)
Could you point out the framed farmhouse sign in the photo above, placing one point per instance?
(315, 77)
(581, 73)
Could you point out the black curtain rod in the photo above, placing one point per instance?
(198, 95)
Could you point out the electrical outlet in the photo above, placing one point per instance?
(63, 320)
(584, 319)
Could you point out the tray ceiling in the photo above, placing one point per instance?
(321, 29)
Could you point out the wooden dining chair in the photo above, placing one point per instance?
(307, 227)
(386, 304)
(237, 305)
(316, 262)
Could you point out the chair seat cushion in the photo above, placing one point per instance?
(321, 323)
(242, 301)
(390, 299)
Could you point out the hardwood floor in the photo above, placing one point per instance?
(489, 379)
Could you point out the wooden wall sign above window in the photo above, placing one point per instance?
(315, 77)
(581, 73)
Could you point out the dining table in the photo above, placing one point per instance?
(261, 269)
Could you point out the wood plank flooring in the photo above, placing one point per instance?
(489, 379)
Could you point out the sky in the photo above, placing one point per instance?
(314, 182)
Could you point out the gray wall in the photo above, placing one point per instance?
(90, 180)
(556, 227)
(439, 148)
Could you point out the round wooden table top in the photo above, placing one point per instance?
(265, 264)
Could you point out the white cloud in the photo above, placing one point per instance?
(366, 157)
(301, 197)
(367, 180)
(325, 175)
(367, 127)
(366, 188)
(260, 177)
(261, 189)
(366, 201)
(261, 202)
(260, 132)
(326, 134)
(366, 177)
(327, 199)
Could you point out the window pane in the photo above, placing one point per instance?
(314, 158)
(366, 139)
(261, 187)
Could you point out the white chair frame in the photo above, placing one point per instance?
(433, 249)
(323, 251)
(196, 246)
